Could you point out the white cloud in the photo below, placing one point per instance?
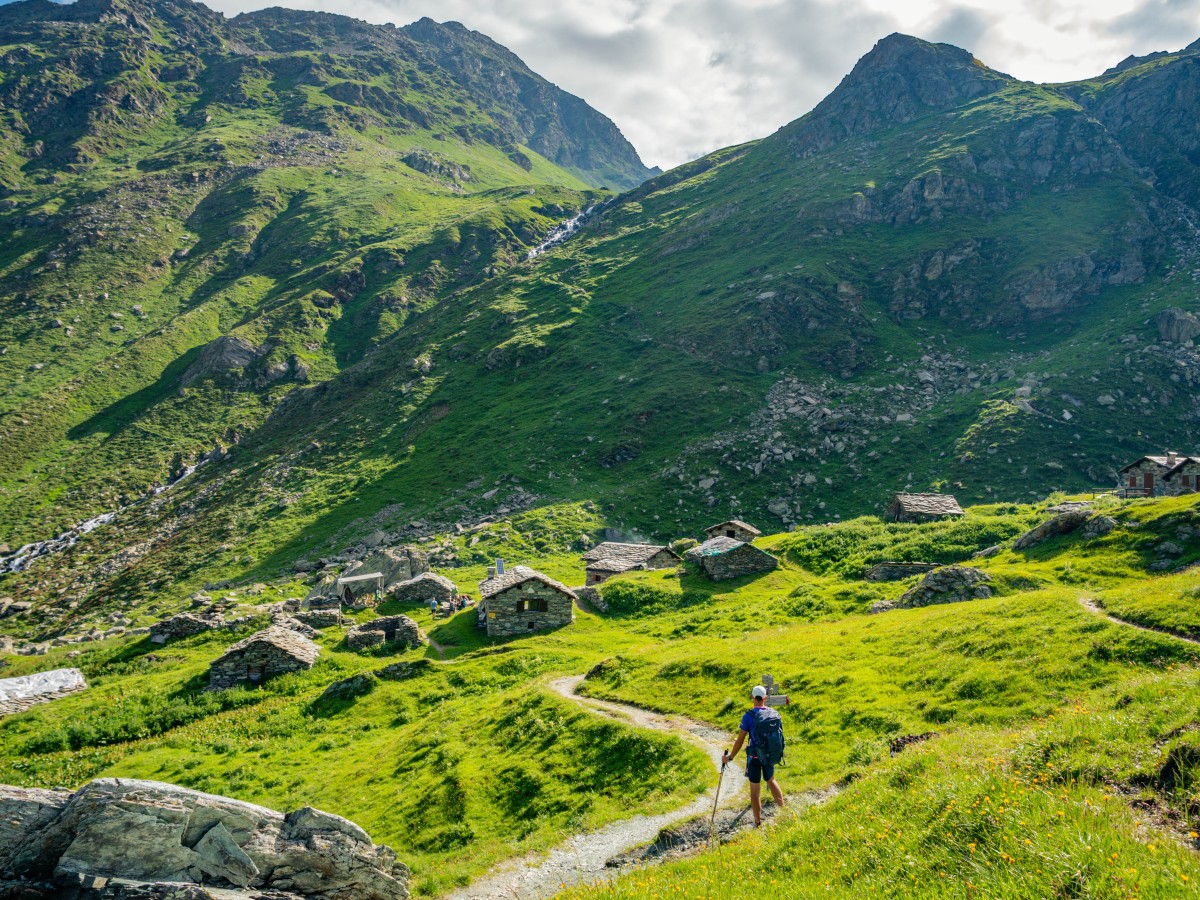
(684, 77)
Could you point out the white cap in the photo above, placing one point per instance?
(759, 691)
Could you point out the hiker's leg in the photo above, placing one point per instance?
(776, 792)
(756, 802)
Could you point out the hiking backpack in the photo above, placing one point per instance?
(768, 735)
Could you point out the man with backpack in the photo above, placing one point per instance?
(764, 728)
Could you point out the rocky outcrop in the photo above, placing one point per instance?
(148, 832)
(226, 354)
(949, 584)
(1063, 523)
(394, 563)
(1176, 326)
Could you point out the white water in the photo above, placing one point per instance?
(563, 231)
(27, 555)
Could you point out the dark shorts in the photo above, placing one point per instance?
(757, 770)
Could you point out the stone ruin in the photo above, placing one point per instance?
(122, 838)
(897, 571)
(264, 655)
(185, 625)
(19, 694)
(384, 630)
(321, 618)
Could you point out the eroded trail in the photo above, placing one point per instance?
(1092, 606)
(582, 858)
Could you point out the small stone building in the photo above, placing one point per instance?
(384, 630)
(734, 528)
(922, 507)
(264, 655)
(425, 587)
(184, 625)
(523, 600)
(721, 558)
(360, 590)
(611, 558)
(1159, 476)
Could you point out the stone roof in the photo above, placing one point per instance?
(1174, 462)
(929, 504)
(519, 575)
(737, 523)
(615, 557)
(424, 576)
(290, 642)
(715, 546)
(351, 579)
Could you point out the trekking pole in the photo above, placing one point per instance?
(713, 820)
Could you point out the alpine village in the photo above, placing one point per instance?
(407, 492)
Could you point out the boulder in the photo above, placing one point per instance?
(1098, 526)
(1176, 326)
(1063, 523)
(949, 584)
(220, 357)
(396, 564)
(148, 833)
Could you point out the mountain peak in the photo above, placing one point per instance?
(902, 78)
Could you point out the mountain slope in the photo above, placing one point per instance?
(942, 277)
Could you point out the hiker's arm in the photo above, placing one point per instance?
(737, 745)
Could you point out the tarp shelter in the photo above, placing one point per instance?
(353, 588)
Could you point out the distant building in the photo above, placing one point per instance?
(721, 558)
(264, 655)
(425, 587)
(734, 528)
(1160, 476)
(522, 600)
(922, 507)
(611, 558)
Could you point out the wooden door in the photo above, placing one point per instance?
(1148, 483)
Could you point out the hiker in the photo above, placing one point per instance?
(764, 728)
(432, 606)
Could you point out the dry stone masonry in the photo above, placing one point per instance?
(264, 655)
(114, 837)
(949, 584)
(425, 587)
(523, 600)
(19, 694)
(184, 625)
(722, 558)
(897, 571)
(385, 629)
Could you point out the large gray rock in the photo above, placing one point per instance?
(396, 564)
(1063, 523)
(224, 355)
(149, 832)
(1176, 326)
(949, 584)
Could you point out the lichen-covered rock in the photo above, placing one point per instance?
(949, 584)
(148, 832)
(1098, 526)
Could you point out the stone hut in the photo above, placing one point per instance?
(611, 558)
(360, 590)
(184, 625)
(384, 630)
(922, 508)
(734, 528)
(425, 587)
(523, 600)
(1159, 476)
(721, 558)
(264, 655)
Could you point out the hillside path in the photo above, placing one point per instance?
(582, 858)
(1092, 606)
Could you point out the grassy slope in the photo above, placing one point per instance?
(1006, 682)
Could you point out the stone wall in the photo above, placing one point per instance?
(737, 563)
(151, 833)
(504, 618)
(897, 571)
(1160, 487)
(396, 629)
(257, 661)
(184, 625)
(422, 589)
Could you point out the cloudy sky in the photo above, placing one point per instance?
(683, 77)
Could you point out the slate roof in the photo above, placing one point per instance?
(929, 504)
(1164, 462)
(424, 576)
(737, 523)
(285, 639)
(519, 575)
(616, 557)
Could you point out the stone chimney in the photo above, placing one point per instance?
(1172, 457)
(491, 572)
